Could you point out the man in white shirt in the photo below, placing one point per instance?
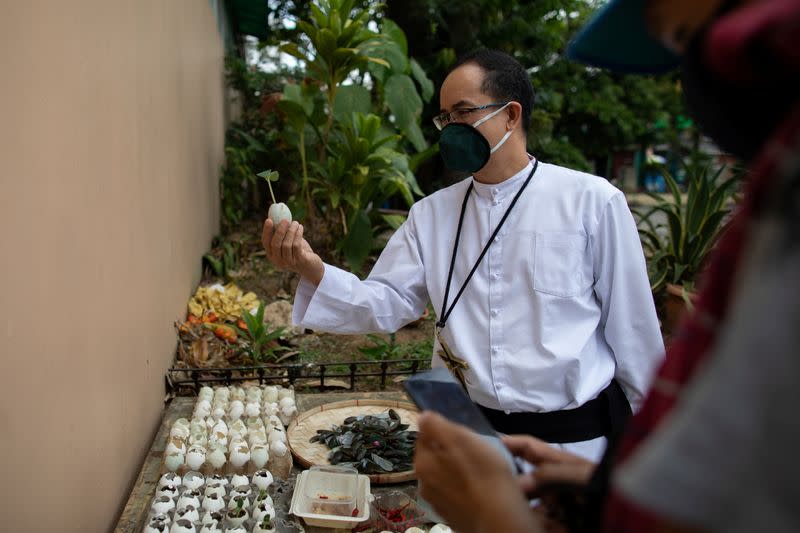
(536, 273)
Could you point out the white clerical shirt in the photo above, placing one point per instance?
(560, 304)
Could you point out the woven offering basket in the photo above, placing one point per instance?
(306, 425)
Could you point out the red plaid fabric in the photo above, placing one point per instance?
(694, 341)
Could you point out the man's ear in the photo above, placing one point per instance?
(514, 114)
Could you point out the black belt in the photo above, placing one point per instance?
(600, 417)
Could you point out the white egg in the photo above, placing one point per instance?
(242, 490)
(262, 479)
(189, 497)
(170, 478)
(217, 458)
(166, 489)
(182, 526)
(179, 432)
(193, 480)
(414, 530)
(257, 437)
(220, 427)
(176, 445)
(198, 425)
(237, 426)
(217, 440)
(263, 509)
(162, 504)
(189, 512)
(285, 393)
(157, 526)
(213, 502)
(288, 414)
(211, 527)
(252, 409)
(214, 519)
(254, 423)
(285, 401)
(202, 410)
(440, 528)
(235, 410)
(270, 394)
(240, 455)
(234, 502)
(278, 448)
(270, 409)
(239, 479)
(277, 436)
(263, 498)
(279, 212)
(195, 457)
(174, 461)
(217, 413)
(237, 393)
(205, 389)
(259, 455)
(214, 487)
(198, 439)
(235, 528)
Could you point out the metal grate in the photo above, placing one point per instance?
(189, 380)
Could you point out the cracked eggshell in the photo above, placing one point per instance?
(174, 461)
(213, 502)
(189, 512)
(240, 455)
(162, 504)
(217, 458)
(182, 526)
(252, 409)
(235, 410)
(239, 479)
(262, 479)
(259, 455)
(193, 481)
(270, 394)
(277, 436)
(170, 478)
(285, 393)
(214, 487)
(278, 448)
(189, 497)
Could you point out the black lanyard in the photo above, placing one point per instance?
(445, 310)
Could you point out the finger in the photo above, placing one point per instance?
(300, 244)
(526, 482)
(266, 236)
(277, 241)
(287, 246)
(532, 449)
(439, 433)
(550, 473)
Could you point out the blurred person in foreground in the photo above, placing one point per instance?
(713, 448)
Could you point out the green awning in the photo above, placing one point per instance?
(249, 17)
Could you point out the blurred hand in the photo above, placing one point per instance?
(552, 464)
(467, 481)
(288, 250)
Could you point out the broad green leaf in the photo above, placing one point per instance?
(357, 245)
(351, 99)
(396, 34)
(425, 83)
(394, 221)
(269, 175)
(414, 134)
(403, 101)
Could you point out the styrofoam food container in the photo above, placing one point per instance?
(338, 484)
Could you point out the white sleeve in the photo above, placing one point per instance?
(726, 458)
(628, 316)
(393, 294)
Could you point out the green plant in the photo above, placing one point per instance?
(676, 249)
(351, 160)
(258, 341)
(382, 349)
(224, 260)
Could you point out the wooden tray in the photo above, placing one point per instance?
(306, 425)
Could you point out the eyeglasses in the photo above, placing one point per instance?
(459, 115)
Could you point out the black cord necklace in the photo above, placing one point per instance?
(445, 310)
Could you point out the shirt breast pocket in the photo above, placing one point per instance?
(558, 263)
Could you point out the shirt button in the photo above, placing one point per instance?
(494, 349)
(495, 312)
(497, 239)
(496, 275)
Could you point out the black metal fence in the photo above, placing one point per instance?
(306, 375)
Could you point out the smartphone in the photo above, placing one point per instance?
(438, 391)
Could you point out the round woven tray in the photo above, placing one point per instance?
(306, 425)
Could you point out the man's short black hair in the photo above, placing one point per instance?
(505, 79)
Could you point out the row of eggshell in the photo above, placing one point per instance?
(235, 402)
(184, 515)
(200, 441)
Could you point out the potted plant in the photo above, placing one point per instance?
(677, 244)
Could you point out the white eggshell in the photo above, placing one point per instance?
(213, 502)
(216, 458)
(170, 478)
(234, 502)
(176, 445)
(278, 448)
(174, 461)
(162, 504)
(440, 528)
(262, 510)
(279, 212)
(182, 526)
(262, 479)
(259, 455)
(221, 427)
(189, 497)
(286, 401)
(414, 530)
(240, 455)
(180, 432)
(189, 512)
(270, 394)
(252, 409)
(214, 487)
(218, 412)
(277, 436)
(285, 393)
(239, 479)
(193, 480)
(235, 410)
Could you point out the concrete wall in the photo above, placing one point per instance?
(111, 138)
